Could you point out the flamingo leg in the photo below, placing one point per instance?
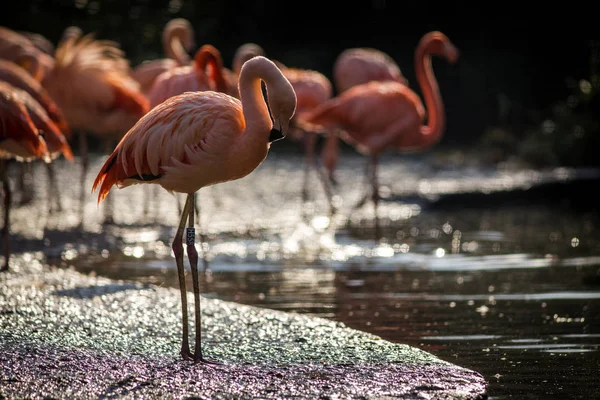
(7, 202)
(202, 235)
(367, 175)
(178, 251)
(83, 151)
(326, 182)
(193, 258)
(309, 159)
(375, 194)
(53, 193)
(24, 183)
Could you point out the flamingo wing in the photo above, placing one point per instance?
(19, 136)
(16, 76)
(55, 140)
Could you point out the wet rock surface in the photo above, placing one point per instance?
(68, 335)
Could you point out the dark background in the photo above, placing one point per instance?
(520, 63)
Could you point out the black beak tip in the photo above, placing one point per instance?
(275, 135)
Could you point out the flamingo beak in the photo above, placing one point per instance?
(276, 134)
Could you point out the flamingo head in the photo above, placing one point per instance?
(281, 104)
(437, 43)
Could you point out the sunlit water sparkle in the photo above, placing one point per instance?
(508, 288)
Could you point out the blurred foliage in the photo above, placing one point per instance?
(566, 134)
(569, 135)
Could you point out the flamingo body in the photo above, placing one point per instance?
(91, 84)
(191, 78)
(374, 107)
(16, 76)
(19, 137)
(20, 49)
(361, 65)
(182, 145)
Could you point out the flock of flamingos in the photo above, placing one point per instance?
(187, 123)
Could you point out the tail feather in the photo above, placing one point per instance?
(106, 178)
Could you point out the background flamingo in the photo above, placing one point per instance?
(242, 54)
(312, 89)
(178, 39)
(387, 114)
(192, 77)
(20, 49)
(60, 131)
(55, 141)
(91, 84)
(19, 140)
(352, 67)
(207, 137)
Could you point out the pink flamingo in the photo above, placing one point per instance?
(20, 139)
(198, 139)
(386, 114)
(353, 67)
(364, 64)
(20, 49)
(19, 78)
(56, 142)
(192, 77)
(178, 39)
(91, 84)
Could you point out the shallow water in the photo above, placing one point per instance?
(502, 282)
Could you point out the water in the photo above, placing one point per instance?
(506, 283)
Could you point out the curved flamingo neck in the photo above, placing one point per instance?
(173, 45)
(209, 56)
(436, 120)
(255, 109)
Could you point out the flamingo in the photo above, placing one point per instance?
(198, 139)
(352, 67)
(91, 84)
(360, 65)
(18, 77)
(192, 77)
(56, 142)
(39, 41)
(20, 49)
(20, 139)
(378, 115)
(178, 39)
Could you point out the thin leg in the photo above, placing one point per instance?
(193, 258)
(324, 178)
(178, 251)
(309, 159)
(375, 194)
(53, 192)
(24, 183)
(367, 175)
(7, 202)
